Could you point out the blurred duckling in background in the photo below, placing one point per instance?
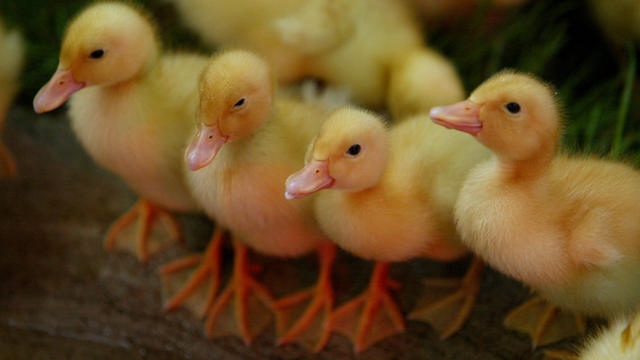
(390, 197)
(132, 108)
(249, 140)
(12, 50)
(346, 43)
(619, 19)
(566, 226)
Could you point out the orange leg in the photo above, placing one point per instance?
(245, 306)
(380, 316)
(544, 322)
(7, 161)
(322, 301)
(209, 265)
(448, 314)
(147, 213)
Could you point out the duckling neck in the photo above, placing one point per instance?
(356, 195)
(527, 170)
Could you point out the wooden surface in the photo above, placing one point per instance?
(63, 297)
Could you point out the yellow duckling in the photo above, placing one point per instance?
(347, 43)
(391, 197)
(249, 140)
(566, 226)
(131, 107)
(12, 50)
(618, 19)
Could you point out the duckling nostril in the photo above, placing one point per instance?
(61, 83)
(317, 171)
(210, 137)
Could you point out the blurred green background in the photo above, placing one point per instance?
(556, 40)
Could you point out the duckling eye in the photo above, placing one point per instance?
(354, 149)
(96, 54)
(239, 103)
(513, 107)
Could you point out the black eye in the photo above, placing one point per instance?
(239, 103)
(96, 54)
(513, 107)
(354, 150)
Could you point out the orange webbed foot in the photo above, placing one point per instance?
(449, 313)
(191, 291)
(310, 329)
(544, 322)
(373, 315)
(145, 240)
(7, 162)
(245, 307)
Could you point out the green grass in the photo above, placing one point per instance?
(555, 40)
(619, 143)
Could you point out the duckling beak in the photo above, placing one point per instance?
(204, 147)
(462, 116)
(313, 177)
(56, 91)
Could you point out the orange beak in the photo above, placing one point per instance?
(56, 91)
(462, 116)
(204, 147)
(313, 177)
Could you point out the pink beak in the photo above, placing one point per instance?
(462, 116)
(204, 147)
(313, 177)
(56, 91)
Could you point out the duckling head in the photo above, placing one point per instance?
(236, 91)
(107, 43)
(515, 115)
(349, 153)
